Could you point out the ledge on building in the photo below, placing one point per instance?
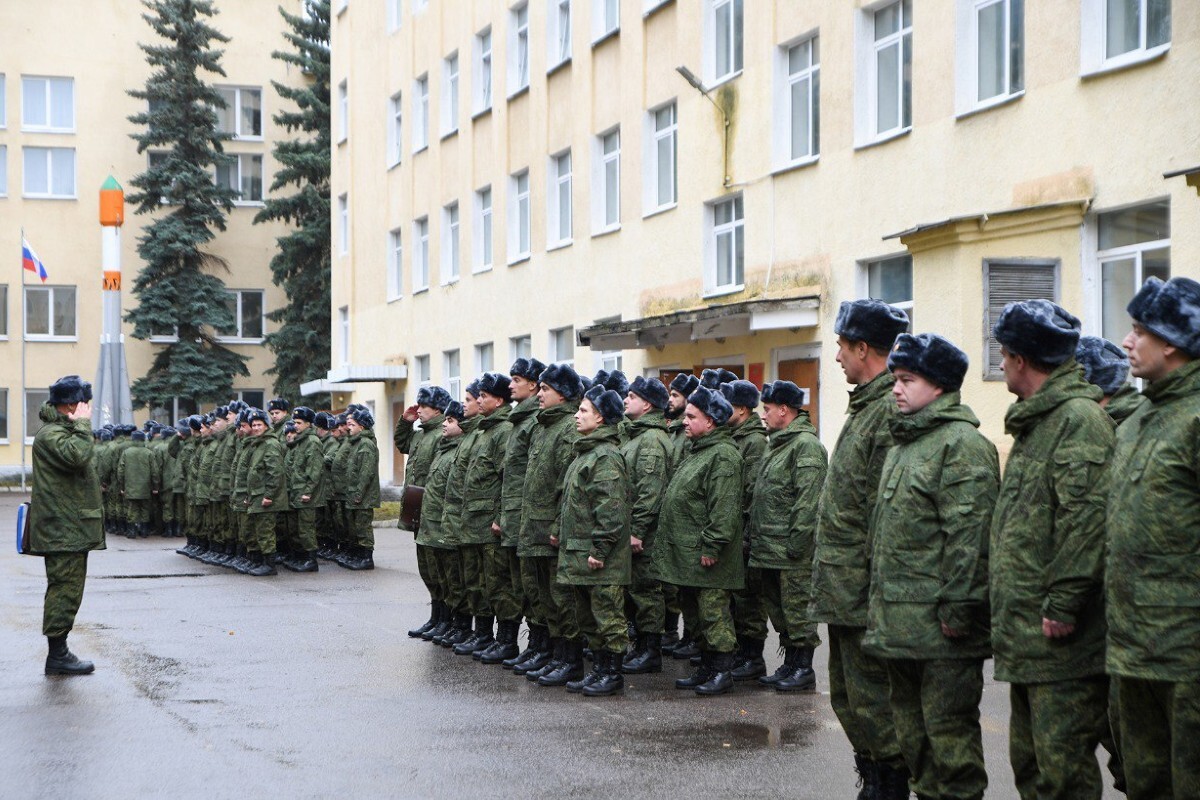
(981, 226)
(366, 373)
(1191, 175)
(716, 321)
(322, 386)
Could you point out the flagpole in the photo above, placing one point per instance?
(24, 402)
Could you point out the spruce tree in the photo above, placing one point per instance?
(176, 289)
(302, 264)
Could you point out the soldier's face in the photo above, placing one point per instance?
(913, 392)
(635, 406)
(301, 425)
(218, 424)
(696, 424)
(425, 413)
(258, 428)
(352, 427)
(851, 355)
(450, 428)
(244, 429)
(677, 401)
(488, 403)
(1147, 353)
(470, 404)
(549, 398)
(776, 416)
(587, 418)
(277, 414)
(522, 388)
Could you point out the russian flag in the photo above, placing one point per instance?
(31, 262)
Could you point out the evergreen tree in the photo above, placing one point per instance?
(302, 264)
(176, 289)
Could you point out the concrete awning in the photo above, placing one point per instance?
(367, 373)
(310, 388)
(1191, 175)
(983, 218)
(712, 322)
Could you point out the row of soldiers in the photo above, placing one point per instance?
(1077, 571)
(250, 489)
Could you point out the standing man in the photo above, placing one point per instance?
(266, 485)
(682, 385)
(1107, 367)
(928, 617)
(139, 479)
(308, 489)
(1047, 556)
(1153, 562)
(66, 513)
(362, 489)
(858, 683)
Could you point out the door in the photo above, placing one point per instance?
(398, 459)
(805, 373)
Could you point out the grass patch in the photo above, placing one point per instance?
(387, 511)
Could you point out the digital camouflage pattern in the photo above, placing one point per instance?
(137, 474)
(452, 504)
(680, 444)
(750, 438)
(362, 465)
(783, 515)
(647, 454)
(595, 513)
(1122, 404)
(1054, 730)
(265, 474)
(306, 473)
(419, 443)
(516, 458)
(433, 504)
(551, 451)
(65, 507)
(1159, 736)
(483, 479)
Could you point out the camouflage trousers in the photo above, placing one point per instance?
(598, 612)
(714, 621)
(1159, 737)
(66, 574)
(537, 578)
(301, 527)
(749, 614)
(504, 583)
(858, 692)
(474, 559)
(137, 511)
(240, 519)
(935, 708)
(1053, 732)
(645, 595)
(260, 537)
(448, 566)
(179, 503)
(338, 525)
(428, 570)
(199, 520)
(114, 507)
(782, 597)
(358, 527)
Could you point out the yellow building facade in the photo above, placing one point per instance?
(671, 185)
(65, 69)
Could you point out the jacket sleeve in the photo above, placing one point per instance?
(273, 473)
(121, 474)
(723, 500)
(966, 496)
(68, 449)
(606, 492)
(648, 474)
(403, 435)
(808, 479)
(563, 456)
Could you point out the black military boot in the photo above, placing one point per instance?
(61, 661)
(483, 638)
(228, 553)
(721, 680)
(429, 623)
(242, 561)
(687, 647)
(648, 658)
(748, 660)
(364, 560)
(326, 550)
(868, 777)
(506, 646)
(599, 664)
(130, 530)
(441, 621)
(144, 530)
(547, 661)
(306, 562)
(459, 632)
(803, 678)
(785, 669)
(671, 633)
(264, 565)
(569, 669)
(699, 675)
(893, 782)
(188, 548)
(537, 640)
(611, 680)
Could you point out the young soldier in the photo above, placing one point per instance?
(185, 453)
(326, 537)
(681, 386)
(1153, 563)
(221, 465)
(1047, 550)
(647, 457)
(362, 489)
(441, 553)
(338, 472)
(307, 487)
(699, 548)
(106, 473)
(927, 617)
(266, 482)
(121, 441)
(138, 477)
(595, 558)
(1107, 367)
(782, 532)
(470, 553)
(239, 489)
(858, 683)
(200, 488)
(449, 561)
(169, 465)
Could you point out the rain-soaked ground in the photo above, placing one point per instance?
(210, 684)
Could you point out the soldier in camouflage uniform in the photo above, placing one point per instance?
(106, 473)
(1153, 567)
(362, 489)
(169, 468)
(928, 610)
(442, 552)
(326, 530)
(782, 532)
(307, 487)
(121, 441)
(858, 683)
(185, 449)
(199, 485)
(1047, 551)
(1106, 366)
(266, 485)
(681, 386)
(337, 467)
(470, 555)
(239, 510)
(139, 481)
(450, 566)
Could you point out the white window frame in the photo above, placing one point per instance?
(239, 337)
(239, 174)
(4, 312)
(395, 9)
(601, 27)
(864, 280)
(53, 335)
(450, 72)
(421, 370)
(3, 102)
(519, 47)
(236, 110)
(520, 347)
(602, 164)
(555, 352)
(419, 5)
(967, 55)
(866, 95)
(452, 372)
(344, 324)
(785, 80)
(558, 34)
(48, 82)
(49, 194)
(420, 256)
(451, 243)
(736, 228)
(484, 230)
(1094, 269)
(3, 164)
(343, 91)
(483, 67)
(485, 357)
(1093, 49)
(395, 264)
(651, 201)
(520, 217)
(737, 18)
(6, 416)
(608, 360)
(420, 124)
(649, 7)
(343, 224)
(395, 130)
(560, 184)
(42, 395)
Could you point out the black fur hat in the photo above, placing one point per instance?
(434, 397)
(599, 378)
(607, 402)
(258, 415)
(563, 379)
(363, 417)
(527, 368)
(106, 435)
(221, 411)
(1039, 330)
(68, 390)
(712, 378)
(651, 390)
(712, 404)
(740, 393)
(304, 413)
(323, 420)
(138, 436)
(932, 357)
(783, 393)
(685, 383)
(166, 432)
(339, 420)
(473, 388)
(237, 406)
(1104, 364)
(455, 410)
(279, 404)
(243, 417)
(289, 427)
(1171, 311)
(195, 422)
(871, 321)
(497, 385)
(617, 382)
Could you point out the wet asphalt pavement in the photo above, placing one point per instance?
(210, 684)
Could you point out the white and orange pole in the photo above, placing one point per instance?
(111, 392)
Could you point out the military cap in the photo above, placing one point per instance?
(685, 383)
(323, 420)
(1104, 364)
(195, 422)
(363, 417)
(783, 393)
(289, 427)
(1171, 311)
(68, 390)
(138, 436)
(712, 378)
(563, 379)
(257, 415)
(607, 402)
(740, 393)
(616, 381)
(279, 404)
(106, 435)
(340, 420)
(1039, 330)
(712, 404)
(473, 388)
(496, 384)
(932, 357)
(166, 432)
(455, 410)
(871, 321)
(651, 390)
(304, 413)
(528, 368)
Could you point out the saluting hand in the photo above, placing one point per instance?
(82, 411)
(410, 413)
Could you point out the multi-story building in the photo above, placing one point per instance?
(65, 68)
(664, 185)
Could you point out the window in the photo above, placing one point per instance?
(49, 172)
(1133, 244)
(3, 103)
(3, 164)
(180, 408)
(3, 311)
(3, 415)
(395, 264)
(344, 224)
(991, 52)
(518, 225)
(255, 398)
(450, 244)
(518, 45)
(243, 173)
(1117, 33)
(606, 182)
(421, 113)
(609, 360)
(343, 91)
(420, 255)
(34, 399)
(420, 5)
(342, 5)
(520, 347)
(1010, 281)
(395, 129)
(242, 114)
(798, 120)
(661, 159)
(606, 18)
(421, 370)
(452, 373)
(891, 280)
(724, 31)
(483, 229)
(558, 33)
(48, 104)
(562, 345)
(49, 312)
(450, 99)
(344, 324)
(395, 14)
(558, 212)
(246, 306)
(726, 272)
(884, 103)
(484, 358)
(483, 71)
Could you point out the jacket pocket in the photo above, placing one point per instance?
(892, 483)
(582, 545)
(911, 591)
(485, 504)
(90, 513)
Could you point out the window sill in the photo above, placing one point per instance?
(654, 212)
(49, 197)
(421, 149)
(604, 37)
(513, 95)
(449, 134)
(343, 140)
(647, 14)
(52, 131)
(394, 164)
(33, 337)
(450, 282)
(248, 203)
(611, 229)
(481, 270)
(164, 340)
(550, 248)
(798, 164)
(521, 259)
(1125, 61)
(237, 340)
(724, 79)
(989, 104)
(247, 139)
(395, 298)
(884, 138)
(564, 63)
(483, 112)
(422, 290)
(722, 291)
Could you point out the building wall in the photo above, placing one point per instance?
(95, 44)
(1093, 142)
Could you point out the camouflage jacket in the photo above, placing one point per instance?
(306, 473)
(432, 533)
(702, 516)
(223, 463)
(106, 465)
(362, 468)
(680, 444)
(339, 469)
(66, 513)
(419, 444)
(1153, 576)
(455, 499)
(516, 458)
(265, 477)
(138, 474)
(1047, 533)
(239, 489)
(483, 478)
(782, 526)
(200, 475)
(842, 562)
(750, 438)
(551, 451)
(595, 513)
(929, 535)
(647, 457)
(1122, 404)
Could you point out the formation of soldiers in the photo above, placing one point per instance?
(601, 511)
(249, 489)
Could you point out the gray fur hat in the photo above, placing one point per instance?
(740, 393)
(68, 390)
(363, 417)
(685, 383)
(871, 321)
(563, 379)
(783, 393)
(1104, 364)
(304, 413)
(473, 389)
(712, 378)
(434, 397)
(614, 380)
(712, 404)
(496, 384)
(932, 357)
(528, 368)
(1171, 311)
(279, 404)
(256, 415)
(1039, 330)
(454, 410)
(607, 402)
(651, 390)
(324, 420)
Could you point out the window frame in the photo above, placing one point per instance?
(737, 228)
(552, 351)
(520, 203)
(343, 223)
(5, 416)
(47, 94)
(1136, 251)
(785, 79)
(395, 264)
(44, 396)
(420, 125)
(559, 47)
(239, 337)
(236, 111)
(736, 55)
(3, 101)
(651, 204)
(866, 95)
(422, 370)
(520, 347)
(867, 264)
(484, 68)
(485, 357)
(420, 256)
(50, 290)
(451, 243)
(519, 70)
(3, 164)
(967, 53)
(1093, 50)
(601, 161)
(395, 130)
(237, 165)
(344, 324)
(484, 255)
(452, 373)
(343, 96)
(600, 28)
(49, 156)
(993, 372)
(557, 184)
(4, 316)
(451, 68)
(395, 15)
